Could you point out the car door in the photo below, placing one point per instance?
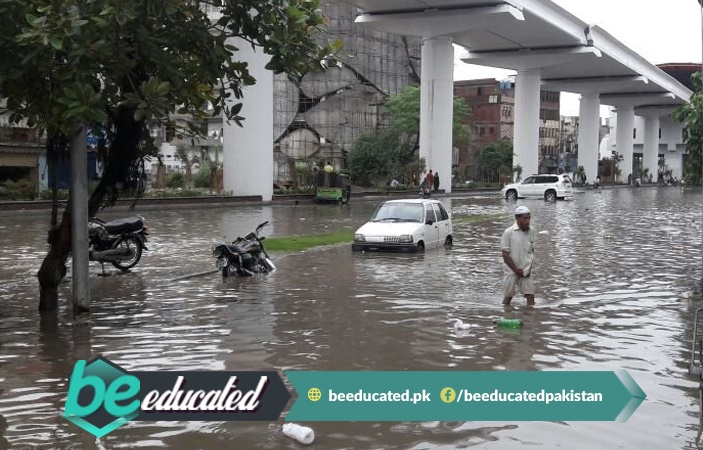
(431, 227)
(540, 186)
(527, 187)
(442, 222)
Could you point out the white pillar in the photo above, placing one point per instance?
(625, 139)
(589, 123)
(650, 156)
(248, 150)
(79, 223)
(437, 107)
(526, 141)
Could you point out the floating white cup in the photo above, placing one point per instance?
(304, 435)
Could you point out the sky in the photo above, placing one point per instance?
(660, 31)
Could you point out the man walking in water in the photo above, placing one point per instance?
(517, 246)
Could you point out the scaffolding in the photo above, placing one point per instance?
(319, 117)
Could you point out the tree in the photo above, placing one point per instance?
(404, 113)
(188, 163)
(392, 151)
(691, 114)
(494, 159)
(116, 64)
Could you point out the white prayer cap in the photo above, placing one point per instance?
(522, 210)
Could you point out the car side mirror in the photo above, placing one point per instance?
(429, 222)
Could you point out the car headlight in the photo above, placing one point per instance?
(406, 239)
(359, 237)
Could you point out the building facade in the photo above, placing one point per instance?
(492, 118)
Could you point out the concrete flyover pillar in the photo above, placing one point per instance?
(526, 141)
(650, 156)
(625, 139)
(589, 123)
(437, 107)
(248, 150)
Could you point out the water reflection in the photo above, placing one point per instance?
(611, 267)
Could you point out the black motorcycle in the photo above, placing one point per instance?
(244, 256)
(119, 242)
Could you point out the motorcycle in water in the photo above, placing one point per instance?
(118, 242)
(244, 256)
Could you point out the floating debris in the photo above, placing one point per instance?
(302, 434)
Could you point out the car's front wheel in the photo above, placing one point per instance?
(511, 195)
(550, 196)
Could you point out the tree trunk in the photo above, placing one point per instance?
(53, 268)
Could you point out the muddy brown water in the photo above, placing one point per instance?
(612, 268)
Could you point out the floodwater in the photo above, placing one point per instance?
(613, 267)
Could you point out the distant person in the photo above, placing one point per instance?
(436, 181)
(518, 247)
(430, 179)
(394, 183)
(328, 168)
(596, 184)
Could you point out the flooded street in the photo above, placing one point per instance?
(611, 268)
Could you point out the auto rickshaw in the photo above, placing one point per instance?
(332, 187)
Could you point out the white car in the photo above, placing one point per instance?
(547, 186)
(405, 225)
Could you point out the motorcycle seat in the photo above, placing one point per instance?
(128, 225)
(235, 248)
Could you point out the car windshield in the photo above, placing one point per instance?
(398, 212)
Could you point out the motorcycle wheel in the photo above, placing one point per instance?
(133, 244)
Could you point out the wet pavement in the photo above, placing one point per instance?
(612, 268)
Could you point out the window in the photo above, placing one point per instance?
(634, 133)
(493, 98)
(429, 214)
(491, 130)
(660, 133)
(442, 212)
(479, 91)
(529, 180)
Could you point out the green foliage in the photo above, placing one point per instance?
(61, 194)
(202, 178)
(298, 243)
(496, 160)
(691, 114)
(115, 64)
(18, 190)
(392, 152)
(404, 113)
(175, 180)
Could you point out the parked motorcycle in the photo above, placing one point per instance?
(118, 242)
(244, 256)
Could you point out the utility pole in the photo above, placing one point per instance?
(79, 222)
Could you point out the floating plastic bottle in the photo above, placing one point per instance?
(304, 435)
(508, 323)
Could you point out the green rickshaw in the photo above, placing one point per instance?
(332, 187)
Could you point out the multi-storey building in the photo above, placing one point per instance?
(492, 118)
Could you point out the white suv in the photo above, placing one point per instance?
(546, 186)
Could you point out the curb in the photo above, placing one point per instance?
(8, 208)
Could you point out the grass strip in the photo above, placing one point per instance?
(304, 242)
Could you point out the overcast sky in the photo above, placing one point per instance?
(660, 31)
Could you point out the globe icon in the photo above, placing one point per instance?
(314, 394)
